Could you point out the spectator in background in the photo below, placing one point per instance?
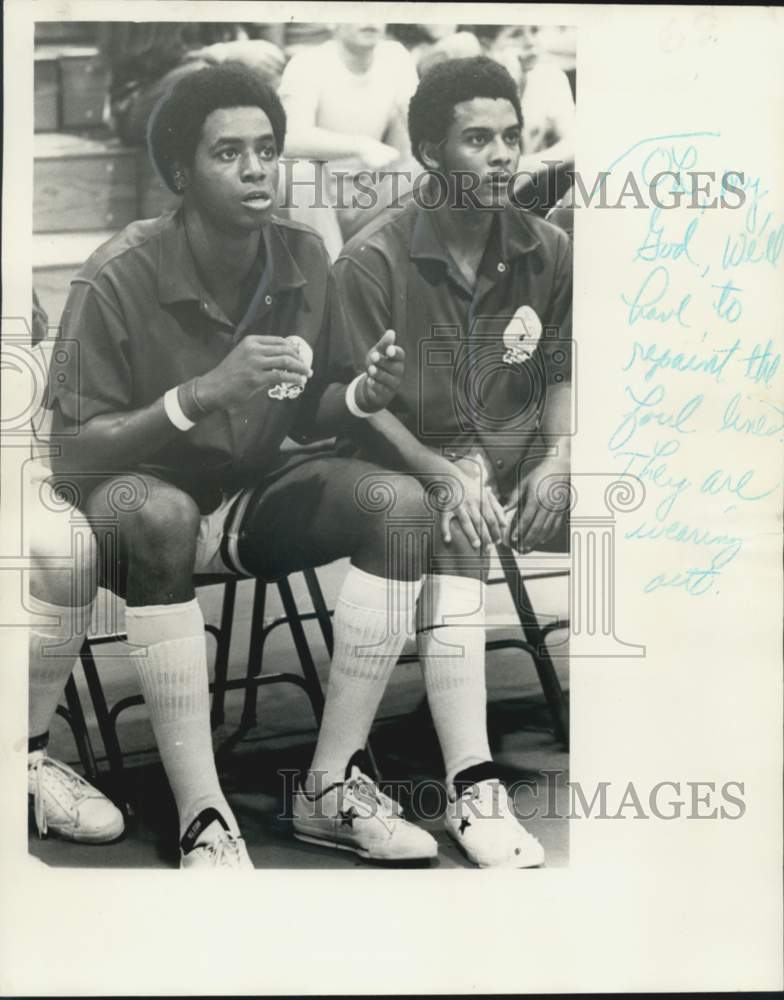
(548, 111)
(433, 43)
(346, 102)
(146, 58)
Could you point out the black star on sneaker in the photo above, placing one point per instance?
(347, 818)
(463, 824)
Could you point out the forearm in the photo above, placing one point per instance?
(320, 143)
(396, 135)
(113, 440)
(555, 425)
(326, 416)
(393, 445)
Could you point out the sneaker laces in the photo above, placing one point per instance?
(224, 850)
(368, 792)
(65, 775)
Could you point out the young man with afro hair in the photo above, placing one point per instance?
(479, 294)
(196, 352)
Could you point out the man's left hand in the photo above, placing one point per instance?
(538, 505)
(384, 368)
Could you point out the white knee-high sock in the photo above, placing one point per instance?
(172, 665)
(53, 649)
(451, 646)
(374, 617)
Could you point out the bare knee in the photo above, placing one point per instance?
(62, 551)
(393, 523)
(156, 523)
(459, 557)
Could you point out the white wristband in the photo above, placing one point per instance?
(351, 400)
(175, 412)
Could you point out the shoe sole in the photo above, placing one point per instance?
(506, 864)
(363, 852)
(94, 841)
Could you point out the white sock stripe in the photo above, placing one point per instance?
(451, 600)
(173, 677)
(154, 623)
(451, 647)
(68, 620)
(367, 591)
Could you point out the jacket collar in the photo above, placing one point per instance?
(510, 236)
(178, 280)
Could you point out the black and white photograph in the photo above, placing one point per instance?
(390, 512)
(307, 418)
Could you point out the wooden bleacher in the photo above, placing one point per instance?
(87, 185)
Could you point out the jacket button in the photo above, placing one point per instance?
(499, 463)
(268, 299)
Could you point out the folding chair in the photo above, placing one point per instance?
(534, 635)
(308, 681)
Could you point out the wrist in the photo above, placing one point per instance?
(191, 402)
(356, 398)
(174, 410)
(202, 395)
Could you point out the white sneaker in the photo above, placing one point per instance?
(65, 804)
(482, 822)
(354, 815)
(208, 843)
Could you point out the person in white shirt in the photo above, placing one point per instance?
(346, 102)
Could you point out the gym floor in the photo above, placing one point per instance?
(256, 769)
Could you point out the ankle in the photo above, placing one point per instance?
(203, 813)
(316, 781)
(39, 742)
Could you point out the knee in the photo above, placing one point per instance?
(152, 517)
(58, 531)
(458, 557)
(395, 519)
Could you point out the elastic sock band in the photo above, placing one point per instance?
(366, 590)
(153, 623)
(41, 613)
(474, 774)
(39, 742)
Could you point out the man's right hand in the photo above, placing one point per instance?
(255, 364)
(476, 509)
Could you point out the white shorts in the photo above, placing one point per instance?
(217, 544)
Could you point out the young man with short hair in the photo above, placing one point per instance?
(479, 294)
(195, 335)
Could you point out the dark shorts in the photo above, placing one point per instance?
(306, 515)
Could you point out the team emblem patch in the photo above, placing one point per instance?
(283, 390)
(521, 336)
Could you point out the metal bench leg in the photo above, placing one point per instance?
(105, 725)
(548, 678)
(222, 653)
(79, 729)
(255, 650)
(314, 690)
(320, 607)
